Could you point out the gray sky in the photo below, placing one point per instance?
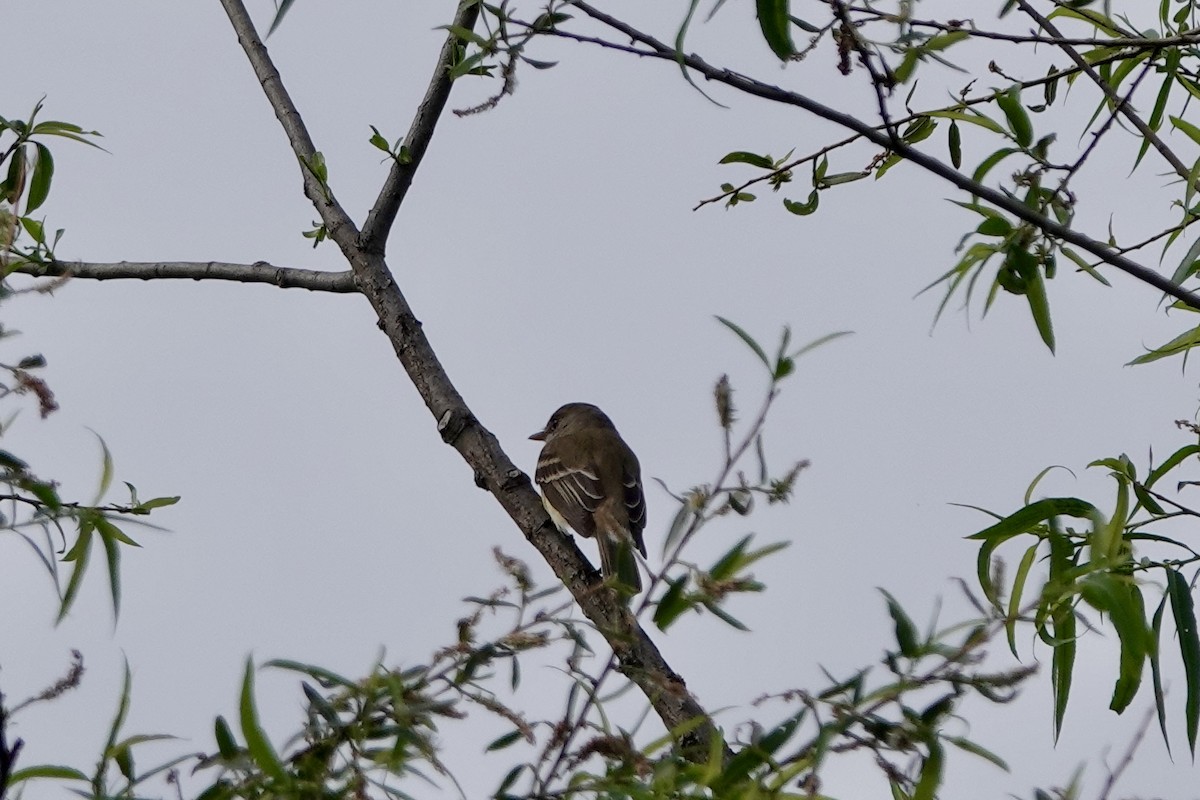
(550, 250)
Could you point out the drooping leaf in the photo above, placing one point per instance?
(1182, 608)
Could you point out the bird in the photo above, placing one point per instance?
(591, 481)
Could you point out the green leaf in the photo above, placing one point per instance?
(975, 749)
(906, 631)
(1174, 460)
(80, 553)
(803, 209)
(773, 20)
(1097, 19)
(46, 771)
(944, 40)
(970, 117)
(159, 502)
(112, 554)
(1018, 120)
(672, 604)
(749, 340)
(39, 184)
(1160, 702)
(728, 564)
(931, 773)
(1121, 599)
(114, 729)
(1029, 517)
(257, 743)
(1191, 130)
(106, 470)
(1039, 306)
(724, 616)
(9, 461)
(226, 745)
(1187, 267)
(378, 141)
(742, 157)
(1183, 610)
(284, 7)
(955, 144)
(504, 741)
(1014, 600)
(819, 341)
(995, 158)
(1062, 620)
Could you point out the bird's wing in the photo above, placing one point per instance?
(635, 504)
(573, 490)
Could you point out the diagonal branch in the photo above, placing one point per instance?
(337, 221)
(1120, 104)
(639, 658)
(1012, 205)
(258, 272)
(395, 188)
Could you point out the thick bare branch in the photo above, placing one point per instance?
(1012, 205)
(420, 132)
(258, 272)
(639, 658)
(337, 222)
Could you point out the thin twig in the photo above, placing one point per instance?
(1125, 108)
(994, 197)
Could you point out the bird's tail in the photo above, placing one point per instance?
(617, 558)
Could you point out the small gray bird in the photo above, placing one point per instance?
(591, 481)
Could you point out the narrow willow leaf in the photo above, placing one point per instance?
(1027, 518)
(1191, 130)
(226, 745)
(748, 339)
(1121, 599)
(1062, 618)
(1018, 120)
(931, 773)
(1039, 307)
(1174, 460)
(257, 744)
(1014, 600)
(906, 631)
(39, 184)
(979, 750)
(284, 7)
(1189, 648)
(742, 157)
(774, 22)
(46, 771)
(1160, 704)
(672, 604)
(970, 117)
(80, 554)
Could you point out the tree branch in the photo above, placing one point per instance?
(640, 660)
(1125, 108)
(996, 198)
(336, 220)
(420, 132)
(258, 272)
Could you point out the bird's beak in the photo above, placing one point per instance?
(540, 436)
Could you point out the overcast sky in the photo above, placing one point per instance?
(550, 249)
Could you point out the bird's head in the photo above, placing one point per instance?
(572, 417)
